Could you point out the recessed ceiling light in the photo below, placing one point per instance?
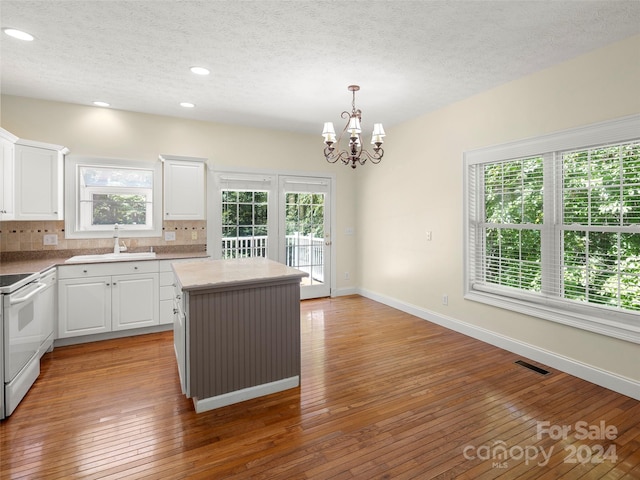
(19, 34)
(200, 70)
(187, 104)
(101, 104)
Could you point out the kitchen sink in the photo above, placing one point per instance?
(111, 257)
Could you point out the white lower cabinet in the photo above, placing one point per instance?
(167, 281)
(167, 285)
(84, 306)
(99, 298)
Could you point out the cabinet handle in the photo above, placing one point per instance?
(108, 284)
(178, 297)
(114, 284)
(84, 271)
(135, 268)
(175, 311)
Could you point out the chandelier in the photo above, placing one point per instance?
(354, 153)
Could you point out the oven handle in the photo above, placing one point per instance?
(14, 300)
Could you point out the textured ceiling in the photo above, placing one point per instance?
(287, 64)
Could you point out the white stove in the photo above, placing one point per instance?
(22, 319)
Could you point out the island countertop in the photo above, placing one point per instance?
(206, 273)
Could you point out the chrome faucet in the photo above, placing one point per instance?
(116, 246)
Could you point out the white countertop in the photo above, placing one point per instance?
(206, 273)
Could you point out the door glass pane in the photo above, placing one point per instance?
(244, 220)
(304, 226)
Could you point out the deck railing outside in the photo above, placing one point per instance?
(304, 252)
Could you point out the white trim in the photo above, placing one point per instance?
(7, 135)
(178, 158)
(343, 292)
(610, 131)
(205, 404)
(46, 146)
(617, 325)
(612, 381)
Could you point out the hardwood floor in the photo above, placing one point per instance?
(384, 395)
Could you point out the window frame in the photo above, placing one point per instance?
(74, 193)
(248, 182)
(600, 319)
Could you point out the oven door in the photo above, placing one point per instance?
(21, 329)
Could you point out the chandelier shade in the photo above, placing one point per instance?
(353, 154)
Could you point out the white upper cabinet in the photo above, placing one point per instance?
(184, 187)
(32, 179)
(7, 155)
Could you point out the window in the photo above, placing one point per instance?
(102, 193)
(244, 223)
(304, 233)
(553, 227)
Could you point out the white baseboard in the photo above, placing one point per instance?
(342, 292)
(617, 383)
(245, 394)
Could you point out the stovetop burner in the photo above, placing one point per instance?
(11, 282)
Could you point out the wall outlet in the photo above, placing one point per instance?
(348, 231)
(194, 235)
(445, 299)
(169, 236)
(428, 235)
(346, 275)
(51, 239)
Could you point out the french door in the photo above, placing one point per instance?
(243, 216)
(284, 218)
(305, 231)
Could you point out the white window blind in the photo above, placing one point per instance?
(556, 232)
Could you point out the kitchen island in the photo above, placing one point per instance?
(236, 329)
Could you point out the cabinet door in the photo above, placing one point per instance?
(7, 151)
(38, 190)
(135, 301)
(183, 190)
(84, 306)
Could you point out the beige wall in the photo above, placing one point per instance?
(93, 131)
(418, 188)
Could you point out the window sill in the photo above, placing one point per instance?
(609, 327)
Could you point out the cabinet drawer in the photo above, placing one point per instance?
(167, 279)
(100, 269)
(166, 292)
(166, 312)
